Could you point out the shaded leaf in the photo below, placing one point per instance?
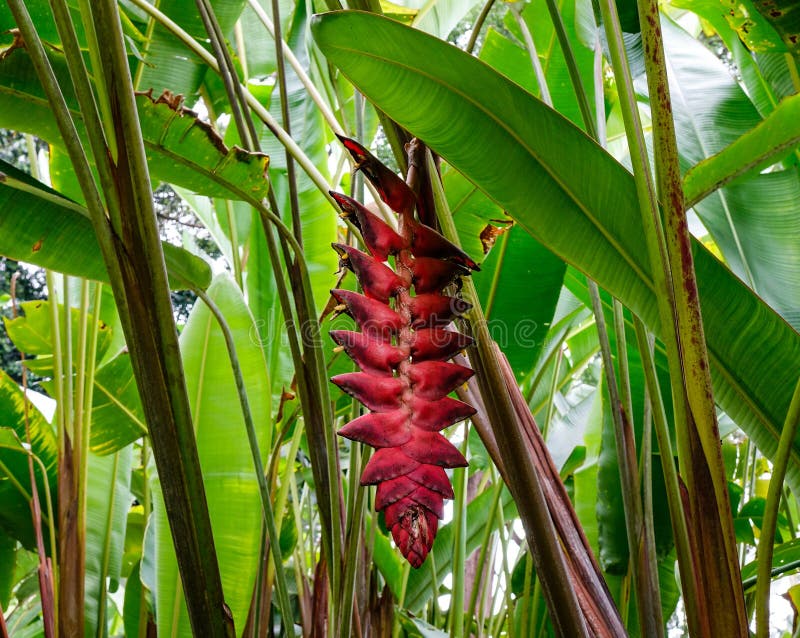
(15, 515)
(41, 227)
(168, 65)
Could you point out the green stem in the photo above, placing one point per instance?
(766, 542)
(642, 561)
(101, 92)
(656, 247)
(234, 238)
(473, 597)
(227, 71)
(312, 388)
(572, 68)
(478, 24)
(294, 203)
(704, 468)
(544, 91)
(459, 545)
(103, 148)
(677, 514)
(354, 535)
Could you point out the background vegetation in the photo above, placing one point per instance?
(626, 173)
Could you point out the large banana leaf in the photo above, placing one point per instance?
(569, 194)
(230, 482)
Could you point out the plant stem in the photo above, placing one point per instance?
(641, 559)
(769, 525)
(459, 545)
(642, 553)
(703, 468)
(536, 64)
(478, 24)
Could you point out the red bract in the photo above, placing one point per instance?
(402, 352)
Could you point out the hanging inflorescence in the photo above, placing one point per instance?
(402, 352)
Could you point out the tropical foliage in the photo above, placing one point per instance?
(626, 175)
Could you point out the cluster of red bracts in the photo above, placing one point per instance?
(402, 352)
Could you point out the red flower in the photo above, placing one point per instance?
(402, 352)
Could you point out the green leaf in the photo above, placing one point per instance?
(230, 482)
(318, 218)
(43, 19)
(184, 150)
(519, 285)
(417, 628)
(32, 331)
(753, 28)
(440, 17)
(132, 604)
(8, 567)
(514, 60)
(612, 538)
(41, 227)
(784, 17)
(117, 414)
(574, 198)
(755, 81)
(752, 151)
(180, 147)
(15, 484)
